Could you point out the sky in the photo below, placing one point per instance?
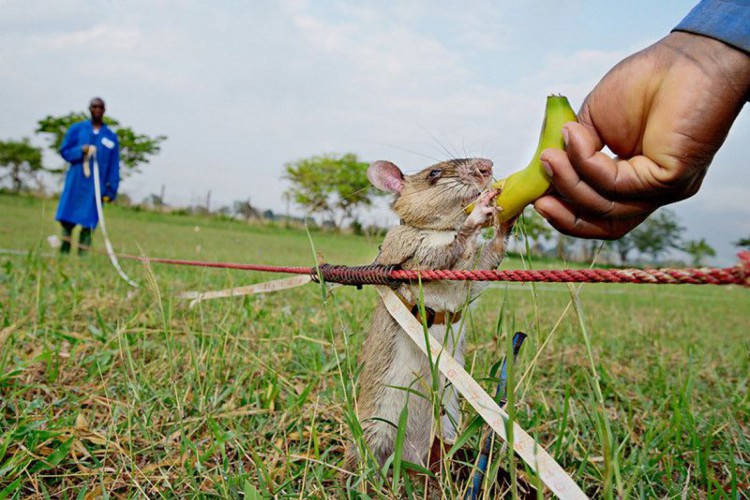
(242, 88)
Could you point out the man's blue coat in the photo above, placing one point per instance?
(77, 202)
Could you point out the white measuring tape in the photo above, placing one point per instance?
(536, 457)
(265, 287)
(100, 211)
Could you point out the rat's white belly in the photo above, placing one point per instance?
(438, 238)
(445, 295)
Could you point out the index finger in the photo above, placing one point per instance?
(616, 178)
(563, 217)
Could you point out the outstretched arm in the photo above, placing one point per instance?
(664, 112)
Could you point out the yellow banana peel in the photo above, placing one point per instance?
(526, 186)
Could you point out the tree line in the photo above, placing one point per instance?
(656, 237)
(336, 188)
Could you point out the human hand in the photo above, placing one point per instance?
(85, 149)
(665, 111)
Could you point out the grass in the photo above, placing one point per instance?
(637, 390)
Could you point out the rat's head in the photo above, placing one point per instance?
(433, 198)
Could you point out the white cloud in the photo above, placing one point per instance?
(101, 35)
(573, 73)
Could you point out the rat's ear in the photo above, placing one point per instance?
(386, 176)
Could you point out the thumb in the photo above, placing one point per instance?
(585, 119)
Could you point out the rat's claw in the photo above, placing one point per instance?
(484, 210)
(485, 199)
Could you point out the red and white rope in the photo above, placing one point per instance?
(365, 275)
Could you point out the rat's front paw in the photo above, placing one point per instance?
(484, 210)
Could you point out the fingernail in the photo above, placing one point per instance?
(540, 211)
(565, 136)
(547, 167)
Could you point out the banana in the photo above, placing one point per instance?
(526, 186)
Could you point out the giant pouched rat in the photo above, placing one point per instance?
(435, 233)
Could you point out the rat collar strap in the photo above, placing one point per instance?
(432, 317)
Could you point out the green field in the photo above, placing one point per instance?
(110, 391)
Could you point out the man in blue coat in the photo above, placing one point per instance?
(77, 202)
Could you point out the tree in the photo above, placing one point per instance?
(224, 211)
(534, 225)
(743, 243)
(593, 248)
(154, 200)
(330, 184)
(245, 210)
(623, 246)
(698, 250)
(135, 149)
(657, 234)
(22, 160)
(562, 246)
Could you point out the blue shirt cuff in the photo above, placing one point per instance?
(724, 20)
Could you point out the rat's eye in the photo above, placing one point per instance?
(434, 174)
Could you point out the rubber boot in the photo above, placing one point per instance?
(67, 232)
(84, 241)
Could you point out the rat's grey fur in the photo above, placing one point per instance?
(435, 233)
